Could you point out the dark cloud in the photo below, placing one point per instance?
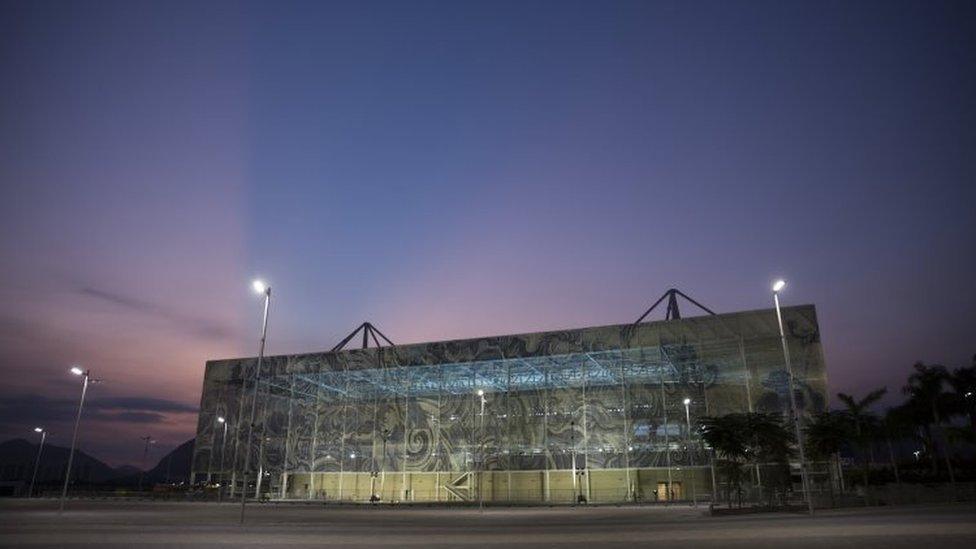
(124, 301)
(25, 410)
(199, 327)
(145, 403)
(139, 417)
(22, 412)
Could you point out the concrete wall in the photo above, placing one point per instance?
(602, 486)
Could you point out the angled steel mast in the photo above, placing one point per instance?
(673, 313)
(368, 331)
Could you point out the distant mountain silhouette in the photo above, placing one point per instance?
(127, 470)
(17, 463)
(175, 466)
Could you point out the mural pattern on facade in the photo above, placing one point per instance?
(596, 398)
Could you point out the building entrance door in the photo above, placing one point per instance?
(662, 491)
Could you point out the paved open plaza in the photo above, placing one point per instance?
(132, 524)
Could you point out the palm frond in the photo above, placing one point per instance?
(848, 401)
(873, 397)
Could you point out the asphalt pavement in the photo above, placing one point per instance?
(106, 524)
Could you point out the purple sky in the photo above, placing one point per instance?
(448, 169)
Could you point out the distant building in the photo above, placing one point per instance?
(594, 413)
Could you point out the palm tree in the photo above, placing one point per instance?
(728, 437)
(898, 424)
(863, 420)
(747, 438)
(926, 389)
(919, 416)
(961, 435)
(963, 396)
(825, 435)
(771, 444)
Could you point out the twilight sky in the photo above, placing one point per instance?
(458, 169)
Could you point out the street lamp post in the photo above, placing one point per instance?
(777, 286)
(386, 437)
(694, 482)
(145, 453)
(86, 379)
(37, 461)
(481, 451)
(210, 458)
(260, 288)
(572, 445)
(223, 448)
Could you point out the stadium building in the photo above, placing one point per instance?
(602, 414)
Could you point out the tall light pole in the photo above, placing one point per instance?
(694, 483)
(386, 437)
(86, 379)
(481, 451)
(687, 403)
(777, 287)
(261, 288)
(223, 448)
(572, 445)
(213, 450)
(148, 439)
(37, 461)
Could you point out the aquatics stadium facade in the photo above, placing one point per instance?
(601, 414)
